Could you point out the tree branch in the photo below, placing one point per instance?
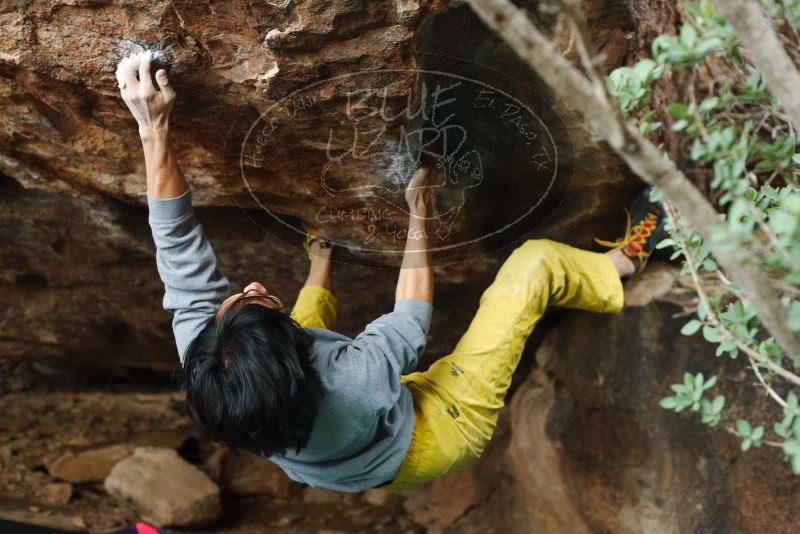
(644, 158)
(768, 54)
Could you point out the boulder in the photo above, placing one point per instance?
(164, 488)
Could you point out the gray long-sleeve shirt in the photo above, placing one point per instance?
(364, 422)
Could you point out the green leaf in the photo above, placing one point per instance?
(746, 444)
(699, 380)
(710, 382)
(710, 334)
(680, 125)
(792, 447)
(758, 433)
(691, 327)
(708, 104)
(680, 388)
(688, 36)
(796, 427)
(796, 465)
(718, 403)
(688, 379)
(792, 400)
(668, 403)
(743, 427)
(678, 111)
(781, 430)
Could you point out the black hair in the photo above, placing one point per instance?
(249, 381)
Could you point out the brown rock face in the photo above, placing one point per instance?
(288, 112)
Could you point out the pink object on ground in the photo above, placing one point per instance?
(142, 528)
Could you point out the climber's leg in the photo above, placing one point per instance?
(316, 307)
(457, 401)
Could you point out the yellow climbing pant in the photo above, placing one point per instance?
(316, 307)
(457, 401)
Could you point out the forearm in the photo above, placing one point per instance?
(416, 275)
(319, 274)
(164, 175)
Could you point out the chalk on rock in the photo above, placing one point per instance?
(164, 488)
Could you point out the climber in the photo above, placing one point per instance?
(340, 413)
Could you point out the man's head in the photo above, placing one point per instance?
(247, 375)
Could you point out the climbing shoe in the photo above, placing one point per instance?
(643, 230)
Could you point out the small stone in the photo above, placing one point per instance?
(407, 9)
(320, 495)
(87, 466)
(376, 497)
(164, 488)
(214, 463)
(287, 520)
(248, 474)
(57, 492)
(78, 521)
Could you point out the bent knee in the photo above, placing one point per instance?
(535, 250)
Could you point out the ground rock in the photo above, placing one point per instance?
(247, 474)
(57, 492)
(91, 465)
(164, 488)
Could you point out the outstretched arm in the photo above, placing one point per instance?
(395, 341)
(194, 288)
(416, 275)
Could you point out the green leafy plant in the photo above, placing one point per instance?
(690, 394)
(739, 140)
(631, 85)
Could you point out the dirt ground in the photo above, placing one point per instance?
(51, 409)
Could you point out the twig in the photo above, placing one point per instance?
(695, 112)
(762, 224)
(767, 387)
(586, 51)
(767, 442)
(768, 54)
(641, 155)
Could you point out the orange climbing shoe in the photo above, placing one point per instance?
(643, 230)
